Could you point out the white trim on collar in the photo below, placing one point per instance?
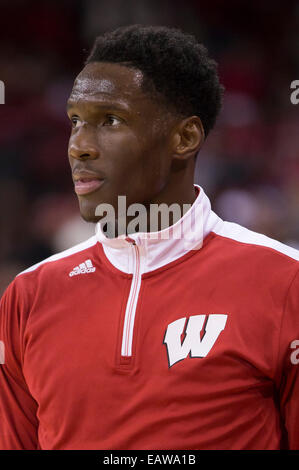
(160, 248)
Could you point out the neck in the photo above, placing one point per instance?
(178, 190)
(162, 211)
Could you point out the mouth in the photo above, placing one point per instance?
(86, 183)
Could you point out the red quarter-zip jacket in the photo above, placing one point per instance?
(155, 343)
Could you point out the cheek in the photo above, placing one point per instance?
(157, 165)
(151, 167)
(121, 153)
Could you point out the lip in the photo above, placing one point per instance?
(86, 182)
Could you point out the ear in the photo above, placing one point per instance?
(188, 138)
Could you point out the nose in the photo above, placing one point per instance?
(81, 147)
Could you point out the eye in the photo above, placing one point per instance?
(75, 121)
(111, 120)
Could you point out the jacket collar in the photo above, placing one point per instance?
(157, 249)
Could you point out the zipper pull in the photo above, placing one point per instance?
(130, 240)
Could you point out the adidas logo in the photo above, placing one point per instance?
(83, 268)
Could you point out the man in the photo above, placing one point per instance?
(135, 341)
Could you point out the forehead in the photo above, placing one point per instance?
(101, 81)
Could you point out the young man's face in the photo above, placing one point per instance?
(120, 135)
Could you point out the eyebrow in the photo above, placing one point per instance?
(104, 105)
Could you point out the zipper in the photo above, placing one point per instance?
(127, 337)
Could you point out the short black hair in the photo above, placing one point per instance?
(176, 64)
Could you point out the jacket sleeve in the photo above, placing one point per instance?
(288, 361)
(18, 421)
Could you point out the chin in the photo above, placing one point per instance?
(87, 211)
(91, 219)
(89, 216)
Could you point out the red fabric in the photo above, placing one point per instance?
(64, 384)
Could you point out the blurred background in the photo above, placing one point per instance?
(249, 165)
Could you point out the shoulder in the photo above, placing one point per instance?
(60, 261)
(44, 281)
(49, 276)
(255, 243)
(260, 261)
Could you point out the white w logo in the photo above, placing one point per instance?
(193, 343)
